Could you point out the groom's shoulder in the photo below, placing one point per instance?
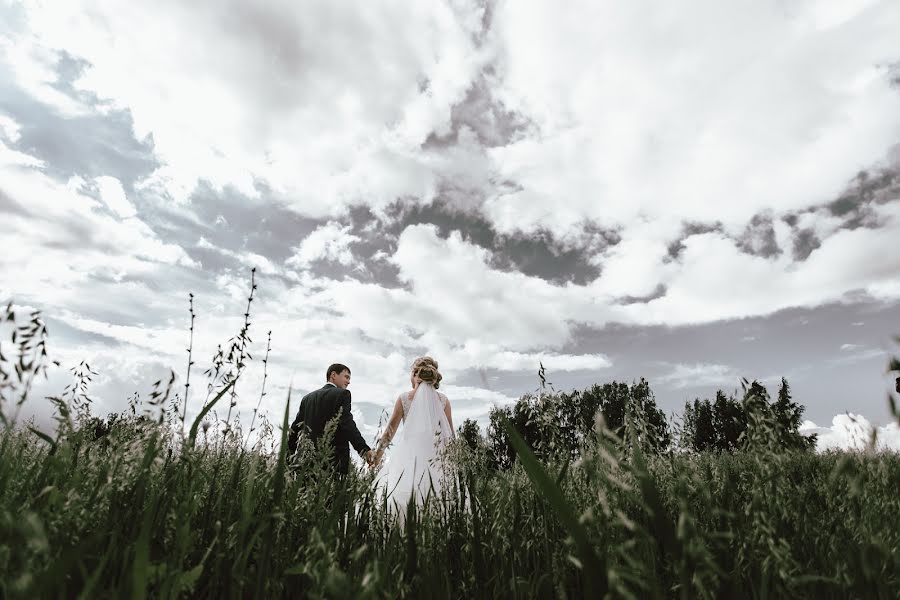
(329, 390)
(339, 394)
(316, 393)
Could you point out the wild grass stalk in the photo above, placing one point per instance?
(190, 361)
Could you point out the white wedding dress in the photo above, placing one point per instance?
(416, 463)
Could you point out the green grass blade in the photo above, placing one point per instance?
(140, 569)
(193, 434)
(282, 453)
(594, 568)
(563, 471)
(43, 436)
(663, 527)
(87, 591)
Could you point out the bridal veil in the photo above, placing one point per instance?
(416, 464)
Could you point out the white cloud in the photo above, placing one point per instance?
(633, 267)
(714, 280)
(454, 296)
(519, 361)
(483, 354)
(14, 158)
(482, 395)
(853, 432)
(9, 129)
(113, 195)
(276, 95)
(161, 342)
(329, 242)
(700, 374)
(251, 259)
(326, 104)
(679, 115)
(33, 63)
(56, 238)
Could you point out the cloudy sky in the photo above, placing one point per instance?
(689, 194)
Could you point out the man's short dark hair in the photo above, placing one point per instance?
(335, 368)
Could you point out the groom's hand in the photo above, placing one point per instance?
(370, 457)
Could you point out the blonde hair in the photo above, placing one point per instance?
(426, 369)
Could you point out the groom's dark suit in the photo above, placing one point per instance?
(316, 410)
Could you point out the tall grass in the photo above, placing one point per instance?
(141, 509)
(138, 514)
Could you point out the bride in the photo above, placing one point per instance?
(416, 463)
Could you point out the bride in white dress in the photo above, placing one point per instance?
(416, 464)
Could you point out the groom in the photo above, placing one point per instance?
(321, 406)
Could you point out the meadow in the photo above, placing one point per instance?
(149, 505)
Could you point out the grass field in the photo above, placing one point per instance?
(153, 506)
(140, 513)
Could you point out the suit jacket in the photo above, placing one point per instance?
(316, 410)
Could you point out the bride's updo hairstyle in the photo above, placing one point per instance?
(426, 369)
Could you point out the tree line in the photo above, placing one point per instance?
(558, 425)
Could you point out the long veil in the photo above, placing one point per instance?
(416, 464)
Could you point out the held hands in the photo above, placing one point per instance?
(373, 458)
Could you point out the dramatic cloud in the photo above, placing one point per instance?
(701, 114)
(325, 104)
(44, 220)
(712, 279)
(853, 432)
(330, 242)
(501, 184)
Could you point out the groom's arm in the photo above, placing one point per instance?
(348, 425)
